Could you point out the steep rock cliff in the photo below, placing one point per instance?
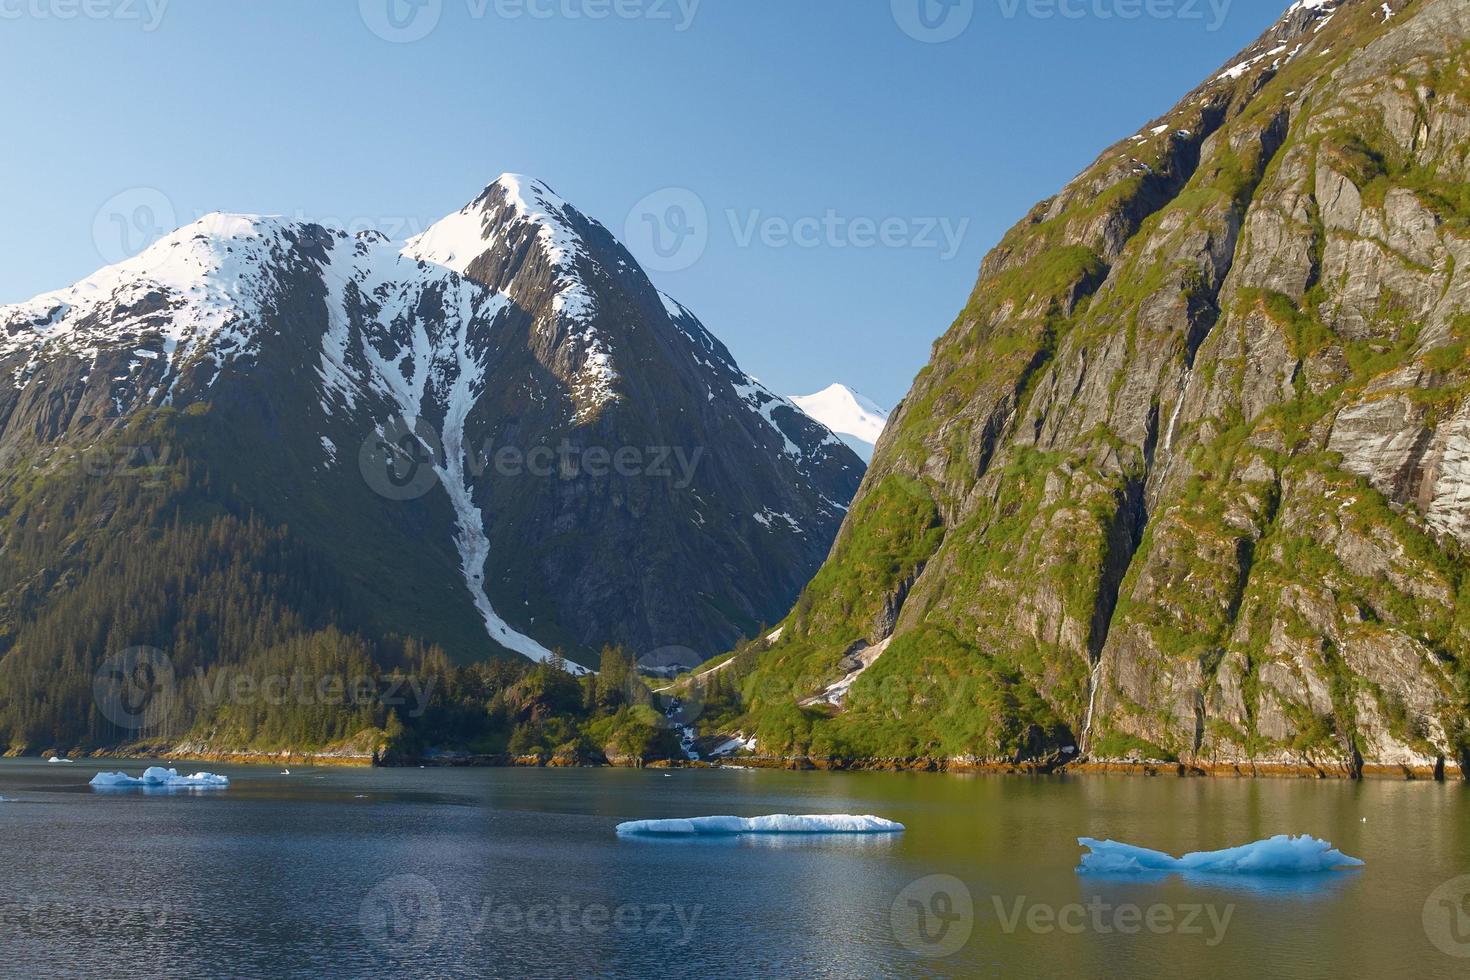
(1187, 478)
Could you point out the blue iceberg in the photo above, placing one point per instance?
(1282, 854)
(778, 823)
(156, 777)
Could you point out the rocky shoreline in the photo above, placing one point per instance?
(1439, 770)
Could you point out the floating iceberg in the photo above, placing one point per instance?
(1282, 854)
(779, 823)
(156, 777)
(57, 758)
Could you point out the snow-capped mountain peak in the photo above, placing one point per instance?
(457, 240)
(194, 293)
(858, 420)
(183, 258)
(520, 238)
(516, 323)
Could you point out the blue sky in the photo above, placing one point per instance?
(824, 179)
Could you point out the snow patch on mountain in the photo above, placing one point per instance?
(196, 291)
(460, 394)
(707, 350)
(767, 515)
(675, 309)
(403, 333)
(760, 400)
(420, 368)
(1317, 13)
(858, 420)
(766, 404)
(454, 241)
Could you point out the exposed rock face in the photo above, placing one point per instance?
(501, 436)
(1187, 477)
(683, 552)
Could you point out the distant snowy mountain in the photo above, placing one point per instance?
(858, 420)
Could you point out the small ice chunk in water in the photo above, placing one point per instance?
(157, 776)
(1282, 854)
(778, 823)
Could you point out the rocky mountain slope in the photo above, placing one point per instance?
(498, 438)
(1188, 478)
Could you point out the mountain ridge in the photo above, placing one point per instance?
(540, 454)
(1095, 526)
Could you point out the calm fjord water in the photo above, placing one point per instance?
(508, 872)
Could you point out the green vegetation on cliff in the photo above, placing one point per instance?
(1196, 448)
